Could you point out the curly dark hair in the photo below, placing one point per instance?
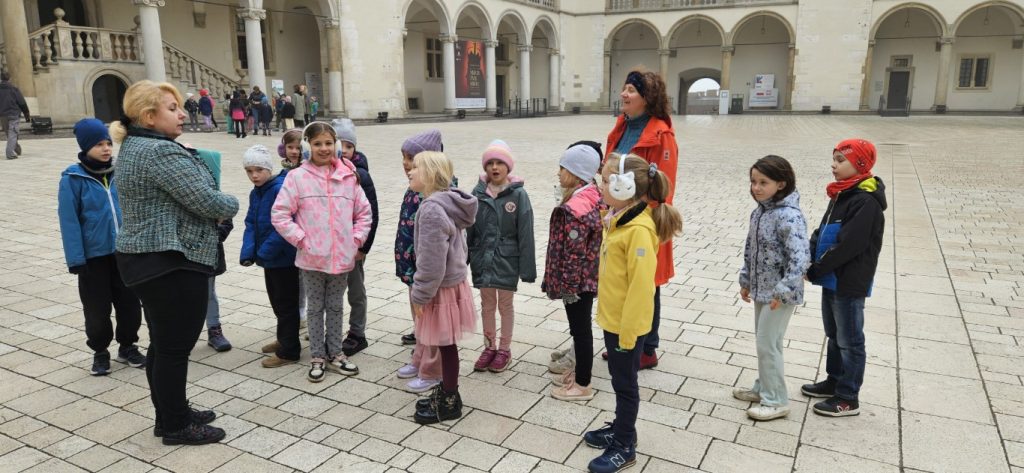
(655, 93)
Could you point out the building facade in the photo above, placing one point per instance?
(74, 58)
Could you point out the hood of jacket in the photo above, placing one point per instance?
(460, 206)
(628, 217)
(872, 186)
(514, 182)
(792, 200)
(336, 171)
(583, 200)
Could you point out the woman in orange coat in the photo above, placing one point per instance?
(645, 129)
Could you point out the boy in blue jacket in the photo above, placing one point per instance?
(90, 217)
(262, 245)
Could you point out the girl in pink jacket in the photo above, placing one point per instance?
(323, 212)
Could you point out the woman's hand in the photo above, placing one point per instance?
(774, 304)
(745, 294)
(417, 309)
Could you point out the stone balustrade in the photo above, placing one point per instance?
(191, 73)
(630, 5)
(62, 42)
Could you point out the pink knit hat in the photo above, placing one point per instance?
(498, 150)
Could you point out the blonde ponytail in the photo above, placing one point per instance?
(117, 131)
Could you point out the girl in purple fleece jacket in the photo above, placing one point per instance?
(441, 297)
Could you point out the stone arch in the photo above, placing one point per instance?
(632, 21)
(686, 80)
(518, 24)
(436, 8)
(687, 19)
(1007, 5)
(547, 27)
(91, 80)
(770, 14)
(478, 13)
(932, 13)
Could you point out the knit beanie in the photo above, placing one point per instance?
(258, 156)
(592, 144)
(427, 141)
(582, 161)
(498, 150)
(860, 153)
(345, 129)
(89, 132)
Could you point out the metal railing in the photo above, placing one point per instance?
(546, 4)
(630, 5)
(519, 108)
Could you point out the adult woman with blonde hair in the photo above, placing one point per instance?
(167, 247)
(645, 129)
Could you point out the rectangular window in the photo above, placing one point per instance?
(901, 61)
(974, 72)
(435, 59)
(243, 54)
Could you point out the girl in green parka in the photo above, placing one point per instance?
(501, 251)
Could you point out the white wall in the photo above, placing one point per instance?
(918, 41)
(540, 69)
(430, 92)
(831, 45)
(974, 37)
(296, 48)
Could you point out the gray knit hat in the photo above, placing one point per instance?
(345, 129)
(258, 156)
(582, 161)
(426, 141)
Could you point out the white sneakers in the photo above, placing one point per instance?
(747, 395)
(762, 412)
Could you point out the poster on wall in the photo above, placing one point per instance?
(277, 85)
(470, 75)
(764, 81)
(314, 87)
(763, 98)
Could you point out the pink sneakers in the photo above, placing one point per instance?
(500, 361)
(485, 359)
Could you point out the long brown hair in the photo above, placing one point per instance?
(651, 185)
(655, 93)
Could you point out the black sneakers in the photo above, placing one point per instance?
(409, 339)
(194, 434)
(195, 416)
(836, 407)
(100, 363)
(824, 388)
(130, 355)
(353, 344)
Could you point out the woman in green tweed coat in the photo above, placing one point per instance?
(167, 247)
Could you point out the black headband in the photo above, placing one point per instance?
(636, 79)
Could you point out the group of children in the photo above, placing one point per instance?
(311, 226)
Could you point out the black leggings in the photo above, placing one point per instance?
(449, 367)
(175, 310)
(101, 288)
(239, 127)
(582, 336)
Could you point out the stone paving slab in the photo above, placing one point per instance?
(943, 388)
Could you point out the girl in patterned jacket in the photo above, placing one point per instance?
(322, 211)
(774, 260)
(570, 270)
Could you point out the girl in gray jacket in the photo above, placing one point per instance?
(776, 255)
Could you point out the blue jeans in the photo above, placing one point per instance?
(770, 329)
(212, 306)
(843, 318)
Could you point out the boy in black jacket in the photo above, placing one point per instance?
(845, 248)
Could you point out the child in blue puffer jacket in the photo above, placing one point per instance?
(90, 218)
(774, 260)
(262, 245)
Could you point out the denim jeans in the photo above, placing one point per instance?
(843, 318)
(9, 125)
(770, 328)
(212, 305)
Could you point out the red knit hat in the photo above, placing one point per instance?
(860, 153)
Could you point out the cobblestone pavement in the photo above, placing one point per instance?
(943, 388)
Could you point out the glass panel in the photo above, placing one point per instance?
(981, 72)
(430, 66)
(242, 55)
(966, 65)
(438, 59)
(901, 62)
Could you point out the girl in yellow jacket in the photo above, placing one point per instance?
(637, 222)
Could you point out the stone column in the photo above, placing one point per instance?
(254, 46)
(787, 103)
(865, 85)
(942, 84)
(727, 52)
(606, 86)
(554, 101)
(663, 54)
(152, 40)
(492, 81)
(449, 71)
(19, 53)
(524, 72)
(1020, 93)
(336, 103)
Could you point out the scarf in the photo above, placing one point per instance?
(834, 188)
(94, 167)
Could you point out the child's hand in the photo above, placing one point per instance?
(745, 294)
(417, 309)
(360, 256)
(775, 303)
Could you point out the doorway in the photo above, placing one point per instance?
(899, 88)
(107, 95)
(499, 89)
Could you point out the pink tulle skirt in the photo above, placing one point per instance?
(447, 317)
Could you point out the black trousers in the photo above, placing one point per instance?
(582, 333)
(283, 290)
(175, 306)
(101, 289)
(651, 341)
(623, 367)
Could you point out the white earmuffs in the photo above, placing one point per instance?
(307, 150)
(622, 186)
